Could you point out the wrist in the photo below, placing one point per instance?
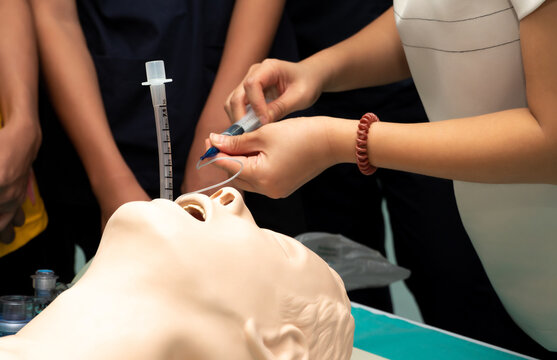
(110, 183)
(106, 169)
(24, 129)
(317, 72)
(326, 68)
(341, 137)
(362, 153)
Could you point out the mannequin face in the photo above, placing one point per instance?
(208, 283)
(215, 246)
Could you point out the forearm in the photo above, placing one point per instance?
(503, 147)
(68, 66)
(18, 64)
(373, 56)
(20, 133)
(250, 35)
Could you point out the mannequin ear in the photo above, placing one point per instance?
(289, 343)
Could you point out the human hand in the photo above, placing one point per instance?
(12, 195)
(17, 218)
(278, 158)
(290, 86)
(19, 142)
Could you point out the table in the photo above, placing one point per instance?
(393, 337)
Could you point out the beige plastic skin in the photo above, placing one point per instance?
(358, 354)
(166, 285)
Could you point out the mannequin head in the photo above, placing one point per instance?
(210, 284)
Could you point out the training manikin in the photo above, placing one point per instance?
(205, 283)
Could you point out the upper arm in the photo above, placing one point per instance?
(539, 52)
(60, 11)
(251, 32)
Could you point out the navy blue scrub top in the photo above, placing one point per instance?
(123, 35)
(189, 36)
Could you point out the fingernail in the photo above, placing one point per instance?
(216, 139)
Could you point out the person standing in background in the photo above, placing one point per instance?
(23, 249)
(93, 56)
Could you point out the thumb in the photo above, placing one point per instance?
(234, 145)
(285, 104)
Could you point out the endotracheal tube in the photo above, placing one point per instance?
(156, 78)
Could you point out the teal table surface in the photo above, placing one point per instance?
(395, 338)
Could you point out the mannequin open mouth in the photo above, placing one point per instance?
(195, 210)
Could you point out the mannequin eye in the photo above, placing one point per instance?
(195, 210)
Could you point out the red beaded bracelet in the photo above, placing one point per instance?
(361, 144)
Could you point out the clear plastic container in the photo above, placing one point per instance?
(44, 283)
(16, 312)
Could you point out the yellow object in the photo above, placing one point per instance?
(36, 218)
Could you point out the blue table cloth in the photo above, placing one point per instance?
(395, 338)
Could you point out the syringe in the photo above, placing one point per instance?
(247, 123)
(156, 78)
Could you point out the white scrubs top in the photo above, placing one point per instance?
(465, 59)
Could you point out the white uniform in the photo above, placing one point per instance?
(465, 59)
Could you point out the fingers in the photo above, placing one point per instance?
(230, 145)
(5, 219)
(254, 86)
(16, 218)
(19, 218)
(7, 223)
(281, 106)
(269, 80)
(235, 165)
(231, 167)
(7, 235)
(11, 198)
(236, 103)
(236, 145)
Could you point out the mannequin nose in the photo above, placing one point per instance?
(229, 201)
(230, 198)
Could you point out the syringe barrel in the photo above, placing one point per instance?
(250, 121)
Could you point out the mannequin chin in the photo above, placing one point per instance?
(194, 279)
